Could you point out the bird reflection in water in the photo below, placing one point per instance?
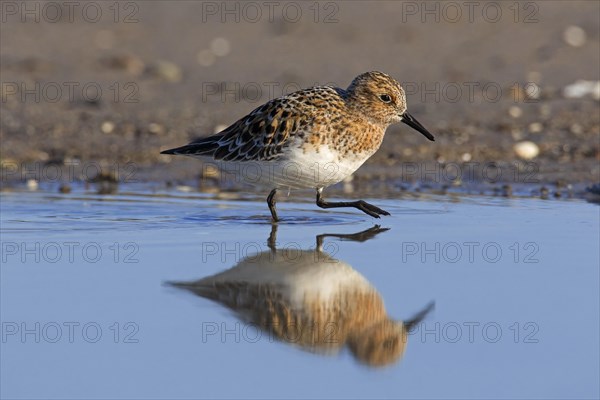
(311, 300)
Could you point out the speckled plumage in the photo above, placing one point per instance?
(311, 138)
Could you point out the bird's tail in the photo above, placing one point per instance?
(202, 147)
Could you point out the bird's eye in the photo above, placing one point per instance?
(385, 98)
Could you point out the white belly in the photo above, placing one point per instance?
(296, 170)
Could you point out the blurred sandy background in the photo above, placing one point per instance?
(159, 65)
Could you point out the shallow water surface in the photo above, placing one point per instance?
(148, 296)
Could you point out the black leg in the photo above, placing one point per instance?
(272, 241)
(271, 203)
(362, 205)
(362, 236)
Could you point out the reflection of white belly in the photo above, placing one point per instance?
(300, 276)
(296, 170)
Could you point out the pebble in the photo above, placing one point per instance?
(166, 70)
(155, 128)
(130, 63)
(536, 127)
(515, 111)
(576, 129)
(532, 91)
(209, 171)
(184, 188)
(526, 150)
(32, 184)
(581, 88)
(107, 127)
(574, 36)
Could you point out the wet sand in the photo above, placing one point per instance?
(113, 92)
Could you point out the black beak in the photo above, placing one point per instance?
(413, 123)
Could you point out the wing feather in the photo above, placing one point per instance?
(266, 132)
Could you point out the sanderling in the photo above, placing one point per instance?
(312, 138)
(311, 300)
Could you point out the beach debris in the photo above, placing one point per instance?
(526, 150)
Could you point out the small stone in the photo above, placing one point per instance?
(576, 129)
(220, 47)
(210, 171)
(166, 70)
(127, 62)
(536, 127)
(184, 188)
(466, 157)
(526, 150)
(32, 184)
(574, 36)
(107, 127)
(532, 91)
(155, 128)
(41, 155)
(515, 111)
(582, 88)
